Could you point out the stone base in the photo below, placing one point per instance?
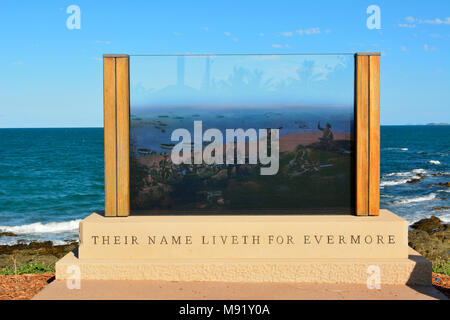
(414, 270)
(264, 237)
(247, 249)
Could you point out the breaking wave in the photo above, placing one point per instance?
(393, 182)
(401, 149)
(429, 197)
(38, 227)
(408, 175)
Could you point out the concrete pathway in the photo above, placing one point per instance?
(161, 290)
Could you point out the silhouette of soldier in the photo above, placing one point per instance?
(327, 136)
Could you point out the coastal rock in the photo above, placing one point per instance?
(419, 177)
(44, 253)
(7, 234)
(441, 208)
(431, 238)
(430, 247)
(428, 225)
(440, 174)
(441, 184)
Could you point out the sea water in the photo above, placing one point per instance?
(414, 161)
(50, 179)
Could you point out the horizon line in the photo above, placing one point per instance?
(101, 127)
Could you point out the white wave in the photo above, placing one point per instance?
(401, 149)
(38, 227)
(59, 242)
(429, 197)
(434, 162)
(393, 182)
(414, 217)
(405, 173)
(397, 174)
(445, 217)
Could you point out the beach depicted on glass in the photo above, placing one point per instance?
(242, 134)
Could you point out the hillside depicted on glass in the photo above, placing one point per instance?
(242, 134)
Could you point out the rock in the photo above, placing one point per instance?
(7, 234)
(431, 238)
(440, 174)
(441, 208)
(430, 247)
(441, 184)
(44, 253)
(419, 178)
(428, 225)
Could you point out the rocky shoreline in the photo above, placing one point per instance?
(43, 254)
(431, 238)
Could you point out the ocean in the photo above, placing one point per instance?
(50, 179)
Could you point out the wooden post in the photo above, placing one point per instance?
(367, 99)
(116, 107)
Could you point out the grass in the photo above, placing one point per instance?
(442, 266)
(32, 268)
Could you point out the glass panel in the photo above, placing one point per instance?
(294, 152)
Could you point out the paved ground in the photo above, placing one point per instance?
(160, 290)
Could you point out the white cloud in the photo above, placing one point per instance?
(435, 35)
(403, 48)
(102, 42)
(235, 39)
(426, 21)
(287, 34)
(308, 31)
(177, 34)
(261, 34)
(227, 33)
(281, 45)
(206, 29)
(437, 21)
(17, 63)
(406, 25)
(429, 48)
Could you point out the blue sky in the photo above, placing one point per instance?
(51, 76)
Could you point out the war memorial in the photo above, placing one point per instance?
(228, 171)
